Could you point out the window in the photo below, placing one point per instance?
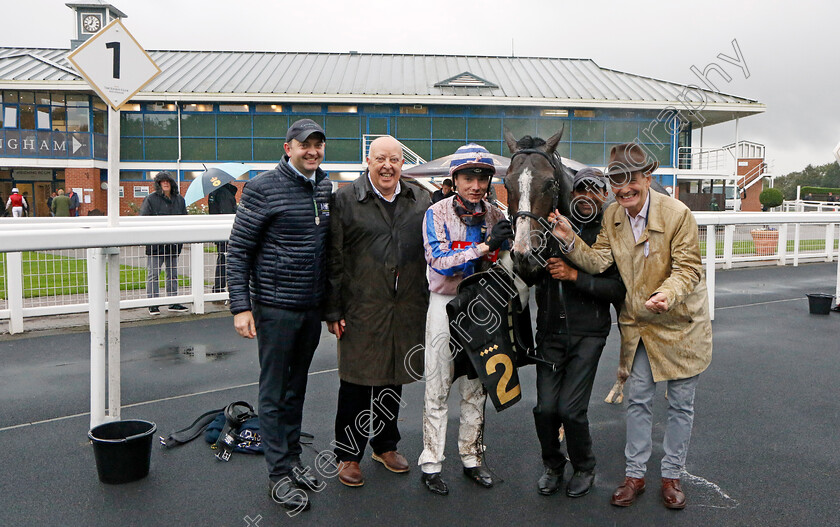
(335, 108)
(198, 149)
(122, 192)
(241, 108)
(346, 150)
(74, 99)
(343, 126)
(584, 113)
(414, 127)
(141, 192)
(10, 116)
(622, 131)
(130, 123)
(551, 112)
(161, 149)
(306, 108)
(589, 131)
(234, 149)
(417, 109)
(131, 175)
(198, 125)
(271, 149)
(269, 108)
(27, 117)
(59, 118)
(160, 107)
(234, 125)
(129, 107)
(489, 128)
(78, 119)
(198, 107)
(270, 126)
(131, 149)
(160, 124)
(43, 118)
(450, 128)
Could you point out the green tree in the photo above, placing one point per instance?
(827, 176)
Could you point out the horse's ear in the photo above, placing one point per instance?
(552, 142)
(510, 140)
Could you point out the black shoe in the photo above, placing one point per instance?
(480, 475)
(178, 307)
(435, 483)
(549, 483)
(154, 310)
(836, 308)
(580, 483)
(302, 476)
(288, 495)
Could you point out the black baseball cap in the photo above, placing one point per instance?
(589, 176)
(302, 129)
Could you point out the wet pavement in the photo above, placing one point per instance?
(763, 452)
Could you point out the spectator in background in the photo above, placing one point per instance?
(74, 202)
(222, 201)
(164, 201)
(49, 202)
(60, 205)
(444, 191)
(16, 203)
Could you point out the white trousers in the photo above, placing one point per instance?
(17, 212)
(439, 371)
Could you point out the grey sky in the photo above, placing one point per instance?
(791, 49)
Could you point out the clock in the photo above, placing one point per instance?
(91, 23)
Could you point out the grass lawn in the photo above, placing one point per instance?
(46, 274)
(748, 247)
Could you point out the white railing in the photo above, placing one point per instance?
(810, 206)
(707, 160)
(44, 270)
(411, 157)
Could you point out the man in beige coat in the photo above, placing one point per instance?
(666, 333)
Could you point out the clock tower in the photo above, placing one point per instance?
(90, 18)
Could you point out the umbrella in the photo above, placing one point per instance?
(440, 167)
(214, 178)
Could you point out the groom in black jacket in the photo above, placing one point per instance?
(572, 327)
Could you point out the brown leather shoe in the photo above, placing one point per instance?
(350, 474)
(626, 493)
(393, 461)
(672, 495)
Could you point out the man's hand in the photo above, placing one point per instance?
(336, 328)
(560, 270)
(501, 231)
(562, 228)
(244, 324)
(658, 303)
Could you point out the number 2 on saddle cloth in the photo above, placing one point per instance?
(488, 325)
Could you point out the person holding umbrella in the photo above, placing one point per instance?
(164, 201)
(276, 273)
(222, 201)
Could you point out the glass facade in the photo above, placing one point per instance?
(52, 125)
(255, 132)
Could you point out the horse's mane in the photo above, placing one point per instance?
(529, 142)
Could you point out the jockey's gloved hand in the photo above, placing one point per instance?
(501, 231)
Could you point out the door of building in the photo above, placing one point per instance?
(42, 193)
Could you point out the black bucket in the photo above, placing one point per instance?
(820, 303)
(122, 450)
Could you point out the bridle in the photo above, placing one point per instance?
(555, 188)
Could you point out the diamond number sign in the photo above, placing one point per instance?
(114, 64)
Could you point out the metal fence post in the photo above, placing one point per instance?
(96, 296)
(782, 247)
(14, 280)
(112, 254)
(728, 245)
(796, 231)
(197, 276)
(710, 268)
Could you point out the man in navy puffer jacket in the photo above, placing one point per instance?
(276, 275)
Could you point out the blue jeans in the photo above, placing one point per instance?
(680, 418)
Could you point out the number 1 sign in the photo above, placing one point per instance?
(114, 64)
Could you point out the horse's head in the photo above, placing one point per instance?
(536, 183)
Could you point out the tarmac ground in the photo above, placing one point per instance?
(763, 450)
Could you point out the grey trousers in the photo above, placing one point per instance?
(680, 418)
(153, 264)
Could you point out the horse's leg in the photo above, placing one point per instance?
(616, 395)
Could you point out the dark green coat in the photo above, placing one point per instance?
(377, 283)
